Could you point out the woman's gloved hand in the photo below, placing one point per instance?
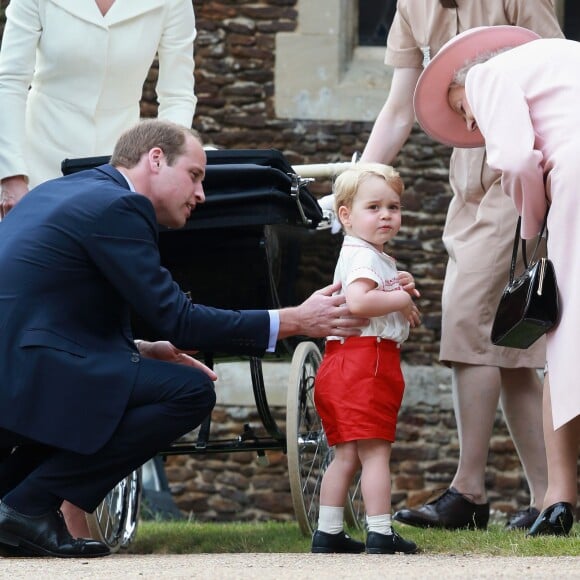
(326, 203)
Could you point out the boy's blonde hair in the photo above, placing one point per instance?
(348, 182)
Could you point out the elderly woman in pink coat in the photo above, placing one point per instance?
(518, 94)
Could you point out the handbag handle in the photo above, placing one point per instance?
(524, 254)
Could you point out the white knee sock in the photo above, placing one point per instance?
(380, 524)
(330, 519)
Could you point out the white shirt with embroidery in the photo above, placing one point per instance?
(358, 259)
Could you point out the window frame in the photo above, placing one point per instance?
(344, 82)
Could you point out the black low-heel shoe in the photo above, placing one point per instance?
(451, 511)
(555, 520)
(341, 543)
(389, 544)
(45, 535)
(522, 519)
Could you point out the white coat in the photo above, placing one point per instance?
(86, 73)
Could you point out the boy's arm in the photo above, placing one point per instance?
(363, 298)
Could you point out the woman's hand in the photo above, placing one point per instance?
(13, 189)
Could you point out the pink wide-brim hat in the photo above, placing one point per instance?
(432, 108)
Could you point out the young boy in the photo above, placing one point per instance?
(359, 385)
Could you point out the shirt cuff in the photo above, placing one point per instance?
(274, 329)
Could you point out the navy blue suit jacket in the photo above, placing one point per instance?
(76, 254)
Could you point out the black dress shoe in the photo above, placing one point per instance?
(341, 543)
(555, 520)
(451, 511)
(388, 544)
(522, 519)
(45, 535)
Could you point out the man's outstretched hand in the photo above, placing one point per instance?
(164, 350)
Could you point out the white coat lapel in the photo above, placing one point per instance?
(85, 10)
(126, 9)
(119, 11)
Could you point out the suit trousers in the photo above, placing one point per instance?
(167, 401)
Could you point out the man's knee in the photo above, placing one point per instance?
(181, 392)
(207, 397)
(197, 398)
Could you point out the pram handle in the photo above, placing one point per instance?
(322, 170)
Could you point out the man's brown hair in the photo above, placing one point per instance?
(147, 134)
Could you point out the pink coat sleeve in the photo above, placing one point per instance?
(502, 114)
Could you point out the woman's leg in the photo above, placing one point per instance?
(476, 392)
(521, 400)
(562, 454)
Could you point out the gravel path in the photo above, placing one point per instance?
(291, 566)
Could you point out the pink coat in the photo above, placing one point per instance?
(525, 102)
(478, 211)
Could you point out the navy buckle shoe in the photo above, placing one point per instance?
(389, 544)
(341, 543)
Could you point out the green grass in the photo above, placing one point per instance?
(198, 538)
(495, 541)
(274, 537)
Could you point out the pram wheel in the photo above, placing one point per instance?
(308, 452)
(114, 522)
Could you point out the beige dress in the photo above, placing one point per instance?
(481, 219)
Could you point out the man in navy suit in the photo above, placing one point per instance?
(81, 404)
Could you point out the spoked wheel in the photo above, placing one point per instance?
(114, 522)
(308, 452)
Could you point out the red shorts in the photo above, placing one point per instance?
(359, 388)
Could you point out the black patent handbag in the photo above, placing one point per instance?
(529, 305)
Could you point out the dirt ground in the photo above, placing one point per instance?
(294, 566)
